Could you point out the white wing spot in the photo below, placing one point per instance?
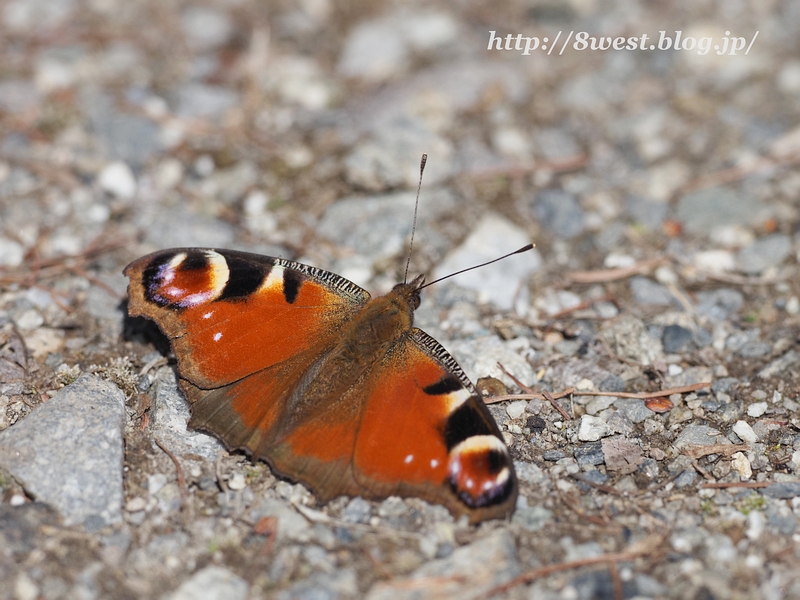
(217, 336)
(434, 463)
(409, 458)
(208, 314)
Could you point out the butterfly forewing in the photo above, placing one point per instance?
(230, 314)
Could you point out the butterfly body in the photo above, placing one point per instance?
(303, 369)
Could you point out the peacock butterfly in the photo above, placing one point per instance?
(301, 368)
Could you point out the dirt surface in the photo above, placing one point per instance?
(659, 309)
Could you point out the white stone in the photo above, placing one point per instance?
(136, 504)
(25, 588)
(618, 261)
(796, 460)
(155, 482)
(755, 525)
(237, 482)
(592, 429)
(745, 432)
(716, 261)
(29, 320)
(742, 466)
(516, 409)
(212, 583)
(789, 78)
(169, 174)
(757, 409)
(666, 275)
(497, 283)
(793, 305)
(117, 179)
(11, 253)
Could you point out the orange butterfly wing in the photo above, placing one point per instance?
(426, 432)
(229, 314)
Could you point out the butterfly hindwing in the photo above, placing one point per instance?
(425, 432)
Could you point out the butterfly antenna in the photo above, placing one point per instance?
(520, 251)
(416, 206)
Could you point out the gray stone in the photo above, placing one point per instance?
(357, 510)
(781, 365)
(559, 212)
(206, 28)
(630, 338)
(612, 383)
(291, 524)
(198, 100)
(212, 583)
(489, 561)
(646, 212)
(720, 304)
(619, 422)
(553, 455)
(18, 95)
(342, 583)
(754, 350)
(169, 416)
(765, 252)
(529, 472)
(126, 137)
(783, 490)
(705, 209)
(589, 454)
(647, 291)
(374, 228)
(724, 385)
(698, 435)
(374, 51)
(592, 429)
(68, 452)
(532, 518)
(634, 409)
(159, 226)
(494, 236)
(675, 338)
(390, 157)
(594, 476)
(780, 517)
(479, 356)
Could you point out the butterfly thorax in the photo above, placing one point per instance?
(366, 340)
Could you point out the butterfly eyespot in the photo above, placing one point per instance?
(480, 472)
(186, 279)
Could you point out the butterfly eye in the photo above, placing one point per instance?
(415, 300)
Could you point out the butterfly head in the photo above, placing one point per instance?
(411, 291)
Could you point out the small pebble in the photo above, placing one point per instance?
(757, 409)
(742, 466)
(592, 429)
(118, 180)
(745, 432)
(237, 482)
(515, 409)
(136, 504)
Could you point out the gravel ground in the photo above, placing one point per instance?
(660, 186)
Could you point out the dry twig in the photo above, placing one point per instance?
(181, 479)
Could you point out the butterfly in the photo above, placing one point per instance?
(301, 368)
